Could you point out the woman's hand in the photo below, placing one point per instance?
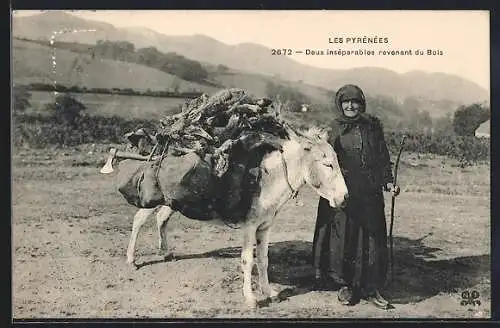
(394, 189)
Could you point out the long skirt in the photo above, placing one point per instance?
(350, 244)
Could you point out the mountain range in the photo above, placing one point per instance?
(256, 59)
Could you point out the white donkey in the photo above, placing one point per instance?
(307, 158)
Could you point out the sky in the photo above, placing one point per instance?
(462, 37)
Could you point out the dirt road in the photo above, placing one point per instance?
(71, 230)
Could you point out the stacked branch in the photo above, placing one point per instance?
(213, 124)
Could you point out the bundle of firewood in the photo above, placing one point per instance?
(212, 124)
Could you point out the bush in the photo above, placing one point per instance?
(291, 98)
(66, 109)
(465, 149)
(467, 119)
(40, 131)
(21, 99)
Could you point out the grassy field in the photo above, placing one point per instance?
(70, 231)
(32, 63)
(128, 107)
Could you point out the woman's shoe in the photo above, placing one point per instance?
(379, 301)
(346, 296)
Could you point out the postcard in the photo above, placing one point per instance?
(250, 164)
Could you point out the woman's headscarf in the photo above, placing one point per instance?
(349, 92)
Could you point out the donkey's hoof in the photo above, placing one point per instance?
(131, 263)
(266, 302)
(170, 257)
(251, 303)
(272, 293)
(269, 292)
(275, 299)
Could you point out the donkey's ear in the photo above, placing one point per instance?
(278, 107)
(323, 135)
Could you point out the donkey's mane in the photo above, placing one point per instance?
(315, 133)
(311, 134)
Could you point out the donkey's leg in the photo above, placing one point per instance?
(247, 265)
(139, 219)
(262, 235)
(162, 218)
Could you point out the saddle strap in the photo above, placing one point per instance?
(162, 156)
(285, 170)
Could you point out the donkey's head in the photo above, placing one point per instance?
(318, 166)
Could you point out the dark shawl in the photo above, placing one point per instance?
(375, 154)
(350, 243)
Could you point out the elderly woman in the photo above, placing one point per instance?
(350, 243)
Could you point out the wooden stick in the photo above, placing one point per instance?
(392, 207)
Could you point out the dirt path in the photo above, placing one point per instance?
(70, 233)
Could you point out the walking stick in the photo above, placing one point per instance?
(392, 207)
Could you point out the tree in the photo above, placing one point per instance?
(467, 119)
(116, 50)
(411, 103)
(424, 121)
(21, 99)
(292, 99)
(66, 109)
(385, 108)
(271, 90)
(175, 85)
(171, 63)
(149, 56)
(383, 104)
(222, 69)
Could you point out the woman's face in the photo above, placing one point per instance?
(351, 107)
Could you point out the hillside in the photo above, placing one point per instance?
(257, 59)
(31, 63)
(256, 84)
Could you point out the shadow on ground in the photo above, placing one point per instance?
(418, 273)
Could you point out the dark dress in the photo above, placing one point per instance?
(350, 244)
